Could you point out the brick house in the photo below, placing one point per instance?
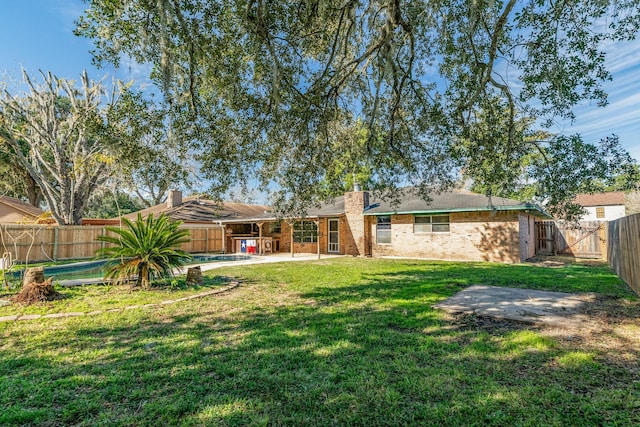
(457, 225)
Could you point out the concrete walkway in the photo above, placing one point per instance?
(522, 305)
(279, 257)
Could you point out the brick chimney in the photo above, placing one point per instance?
(174, 198)
(354, 204)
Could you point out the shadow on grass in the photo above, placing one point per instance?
(368, 353)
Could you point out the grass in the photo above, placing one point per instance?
(88, 298)
(334, 342)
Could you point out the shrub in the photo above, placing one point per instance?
(144, 248)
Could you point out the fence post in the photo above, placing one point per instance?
(55, 243)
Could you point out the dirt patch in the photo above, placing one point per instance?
(33, 293)
(611, 331)
(492, 325)
(559, 261)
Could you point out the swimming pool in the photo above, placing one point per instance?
(95, 269)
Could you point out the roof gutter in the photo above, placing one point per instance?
(529, 208)
(244, 220)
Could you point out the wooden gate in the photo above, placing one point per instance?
(559, 238)
(545, 236)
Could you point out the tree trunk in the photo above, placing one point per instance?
(194, 276)
(33, 191)
(143, 276)
(33, 275)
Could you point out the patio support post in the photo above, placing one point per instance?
(317, 222)
(260, 224)
(224, 237)
(291, 236)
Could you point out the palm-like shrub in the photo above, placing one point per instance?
(145, 248)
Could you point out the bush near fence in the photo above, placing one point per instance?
(36, 243)
(623, 248)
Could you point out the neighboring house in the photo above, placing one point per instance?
(602, 206)
(455, 225)
(14, 211)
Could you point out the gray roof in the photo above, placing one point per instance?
(329, 209)
(193, 209)
(336, 207)
(452, 201)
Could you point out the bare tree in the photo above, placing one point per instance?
(66, 129)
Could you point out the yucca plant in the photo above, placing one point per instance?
(144, 248)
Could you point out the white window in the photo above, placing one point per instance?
(431, 224)
(383, 229)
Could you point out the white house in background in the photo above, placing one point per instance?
(602, 206)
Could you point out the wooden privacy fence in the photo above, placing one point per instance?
(624, 249)
(559, 238)
(50, 242)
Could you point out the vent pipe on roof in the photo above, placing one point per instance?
(174, 198)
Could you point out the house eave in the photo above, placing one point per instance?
(244, 220)
(528, 208)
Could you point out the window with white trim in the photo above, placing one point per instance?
(383, 229)
(305, 232)
(431, 224)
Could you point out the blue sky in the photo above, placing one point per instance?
(38, 34)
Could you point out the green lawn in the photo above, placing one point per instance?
(89, 298)
(333, 342)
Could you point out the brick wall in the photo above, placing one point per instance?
(356, 239)
(345, 240)
(473, 236)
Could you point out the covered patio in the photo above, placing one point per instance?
(268, 235)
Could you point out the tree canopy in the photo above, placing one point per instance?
(259, 87)
(152, 160)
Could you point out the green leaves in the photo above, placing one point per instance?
(144, 249)
(261, 88)
(584, 168)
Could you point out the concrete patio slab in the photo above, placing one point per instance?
(522, 305)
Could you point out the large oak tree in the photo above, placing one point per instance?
(259, 86)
